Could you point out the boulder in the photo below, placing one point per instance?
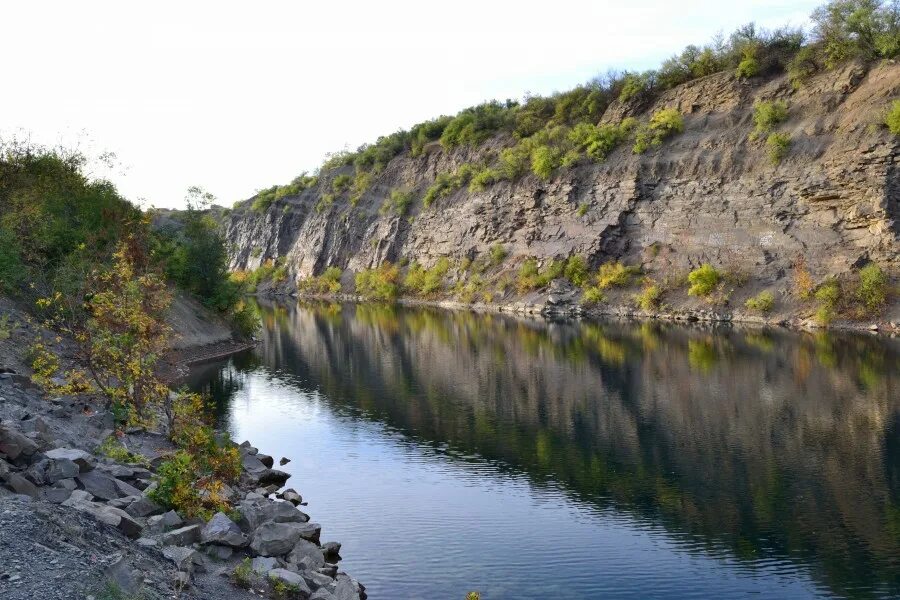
(291, 496)
(309, 531)
(300, 589)
(329, 569)
(143, 507)
(164, 522)
(276, 539)
(223, 531)
(182, 537)
(185, 559)
(126, 489)
(272, 476)
(14, 445)
(100, 485)
(252, 464)
(81, 458)
(306, 549)
(17, 483)
(264, 564)
(267, 460)
(56, 495)
(316, 580)
(218, 552)
(322, 594)
(256, 512)
(284, 460)
(48, 471)
(348, 589)
(332, 550)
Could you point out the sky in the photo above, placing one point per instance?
(237, 96)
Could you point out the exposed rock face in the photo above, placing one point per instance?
(707, 195)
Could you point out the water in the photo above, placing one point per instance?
(452, 452)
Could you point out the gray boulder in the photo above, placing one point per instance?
(272, 476)
(164, 522)
(14, 445)
(100, 485)
(264, 564)
(185, 559)
(56, 495)
(143, 507)
(306, 549)
(299, 585)
(81, 458)
(48, 471)
(276, 539)
(322, 594)
(332, 550)
(348, 589)
(317, 580)
(17, 483)
(222, 530)
(256, 512)
(184, 536)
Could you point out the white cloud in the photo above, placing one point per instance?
(237, 96)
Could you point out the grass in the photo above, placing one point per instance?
(398, 202)
(592, 295)
(649, 297)
(380, 283)
(328, 282)
(767, 115)
(615, 274)
(892, 118)
(114, 449)
(763, 302)
(426, 282)
(6, 327)
(582, 209)
(663, 124)
(498, 254)
(777, 146)
(242, 575)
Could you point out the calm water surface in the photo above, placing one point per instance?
(452, 452)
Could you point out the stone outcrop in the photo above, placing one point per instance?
(709, 194)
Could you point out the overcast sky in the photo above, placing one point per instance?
(238, 96)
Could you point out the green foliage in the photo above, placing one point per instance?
(543, 161)
(12, 271)
(864, 29)
(583, 208)
(576, 270)
(447, 183)
(703, 280)
(340, 183)
(426, 282)
(892, 120)
(361, 182)
(767, 115)
(112, 448)
(375, 157)
(398, 202)
(777, 146)
(592, 295)
(328, 282)
(747, 68)
(379, 283)
(649, 297)
(663, 124)
(498, 254)
(264, 199)
(474, 125)
(483, 178)
(324, 202)
(828, 296)
(526, 278)
(426, 132)
(763, 302)
(598, 141)
(242, 575)
(633, 85)
(615, 274)
(873, 287)
(803, 65)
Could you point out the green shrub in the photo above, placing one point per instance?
(112, 448)
(513, 162)
(576, 270)
(12, 271)
(663, 124)
(399, 202)
(543, 161)
(474, 125)
(747, 68)
(526, 278)
(447, 183)
(592, 295)
(361, 183)
(242, 575)
(777, 146)
(892, 119)
(766, 115)
(597, 141)
(340, 183)
(324, 202)
(828, 296)
(426, 132)
(802, 66)
(498, 254)
(426, 282)
(703, 280)
(873, 287)
(649, 297)
(633, 85)
(582, 209)
(329, 282)
(379, 283)
(483, 178)
(762, 302)
(615, 274)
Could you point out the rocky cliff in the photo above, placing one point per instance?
(709, 194)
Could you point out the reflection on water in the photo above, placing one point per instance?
(452, 451)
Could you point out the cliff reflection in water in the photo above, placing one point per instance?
(757, 443)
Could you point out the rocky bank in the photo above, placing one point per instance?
(75, 523)
(707, 195)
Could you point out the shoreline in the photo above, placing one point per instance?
(623, 312)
